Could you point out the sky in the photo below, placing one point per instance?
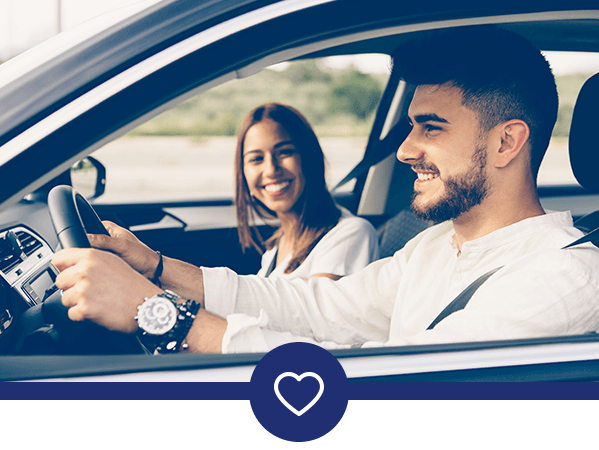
(25, 23)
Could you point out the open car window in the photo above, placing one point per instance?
(571, 70)
(186, 153)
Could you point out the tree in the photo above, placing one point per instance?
(300, 72)
(355, 93)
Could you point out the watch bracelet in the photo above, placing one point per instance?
(171, 342)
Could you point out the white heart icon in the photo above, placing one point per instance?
(299, 378)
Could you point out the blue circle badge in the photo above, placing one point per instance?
(299, 392)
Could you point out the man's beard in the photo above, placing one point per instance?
(462, 193)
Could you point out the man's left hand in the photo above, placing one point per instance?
(101, 287)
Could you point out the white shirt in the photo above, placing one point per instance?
(542, 290)
(347, 248)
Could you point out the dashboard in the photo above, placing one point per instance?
(26, 272)
(25, 264)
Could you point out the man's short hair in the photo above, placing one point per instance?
(501, 74)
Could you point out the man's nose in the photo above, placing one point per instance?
(409, 150)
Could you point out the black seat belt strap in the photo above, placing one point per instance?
(592, 237)
(383, 148)
(463, 297)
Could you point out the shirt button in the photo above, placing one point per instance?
(458, 278)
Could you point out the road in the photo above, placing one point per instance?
(181, 168)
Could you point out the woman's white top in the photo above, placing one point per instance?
(348, 247)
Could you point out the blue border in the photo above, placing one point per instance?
(242, 391)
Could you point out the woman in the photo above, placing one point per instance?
(279, 171)
(280, 174)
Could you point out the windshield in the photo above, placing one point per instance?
(62, 42)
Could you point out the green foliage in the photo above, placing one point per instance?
(319, 93)
(355, 93)
(336, 102)
(306, 72)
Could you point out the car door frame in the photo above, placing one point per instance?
(86, 113)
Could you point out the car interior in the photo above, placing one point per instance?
(202, 231)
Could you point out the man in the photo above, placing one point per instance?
(481, 117)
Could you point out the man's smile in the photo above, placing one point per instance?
(427, 176)
(425, 172)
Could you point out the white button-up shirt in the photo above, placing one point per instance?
(541, 290)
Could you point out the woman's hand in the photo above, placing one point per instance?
(124, 243)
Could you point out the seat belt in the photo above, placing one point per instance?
(464, 297)
(382, 149)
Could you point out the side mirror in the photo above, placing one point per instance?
(88, 177)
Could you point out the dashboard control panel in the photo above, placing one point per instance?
(26, 264)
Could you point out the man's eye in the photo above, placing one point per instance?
(429, 128)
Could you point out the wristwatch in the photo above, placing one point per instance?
(164, 323)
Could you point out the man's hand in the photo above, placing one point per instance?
(101, 287)
(124, 243)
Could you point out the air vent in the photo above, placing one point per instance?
(29, 244)
(9, 262)
(15, 246)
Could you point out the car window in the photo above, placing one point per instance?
(571, 70)
(186, 153)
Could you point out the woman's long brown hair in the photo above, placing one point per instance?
(318, 215)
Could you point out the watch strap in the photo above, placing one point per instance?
(158, 271)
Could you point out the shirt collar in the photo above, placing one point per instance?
(516, 231)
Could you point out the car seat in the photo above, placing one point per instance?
(582, 145)
(398, 230)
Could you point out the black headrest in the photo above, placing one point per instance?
(584, 140)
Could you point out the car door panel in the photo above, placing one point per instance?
(200, 234)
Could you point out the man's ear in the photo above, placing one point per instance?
(514, 135)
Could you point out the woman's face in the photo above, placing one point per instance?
(272, 167)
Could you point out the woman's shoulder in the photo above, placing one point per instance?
(350, 231)
(351, 223)
(348, 247)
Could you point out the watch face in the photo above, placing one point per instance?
(157, 315)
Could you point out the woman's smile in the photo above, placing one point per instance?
(277, 188)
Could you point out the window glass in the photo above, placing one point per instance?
(571, 70)
(187, 153)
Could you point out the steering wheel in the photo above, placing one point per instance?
(73, 217)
